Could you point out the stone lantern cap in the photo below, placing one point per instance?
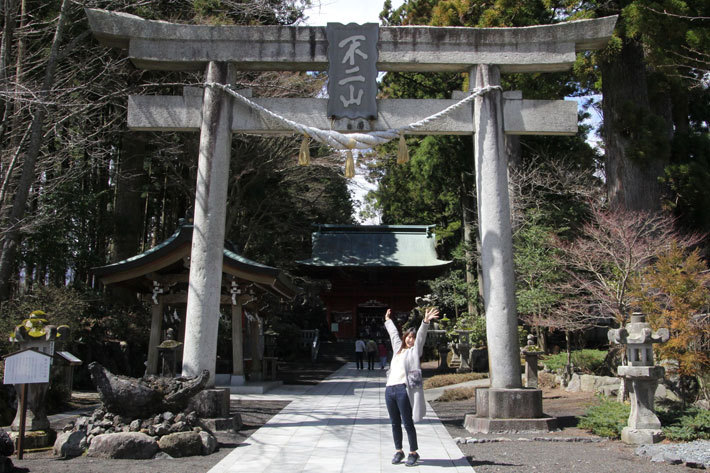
(170, 343)
(531, 348)
(638, 338)
(638, 332)
(35, 328)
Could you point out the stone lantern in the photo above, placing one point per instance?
(34, 332)
(168, 351)
(437, 338)
(461, 347)
(641, 377)
(531, 353)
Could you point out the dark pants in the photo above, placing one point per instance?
(358, 359)
(370, 360)
(400, 411)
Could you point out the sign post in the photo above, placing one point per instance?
(26, 367)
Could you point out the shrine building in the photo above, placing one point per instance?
(161, 277)
(371, 268)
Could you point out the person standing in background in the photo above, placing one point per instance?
(371, 353)
(359, 352)
(382, 351)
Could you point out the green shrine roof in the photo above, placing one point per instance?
(172, 256)
(372, 246)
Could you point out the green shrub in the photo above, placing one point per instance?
(685, 426)
(588, 361)
(606, 418)
(477, 326)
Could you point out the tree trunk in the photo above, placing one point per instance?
(129, 206)
(467, 210)
(27, 177)
(569, 369)
(632, 184)
(5, 47)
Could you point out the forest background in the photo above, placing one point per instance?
(79, 190)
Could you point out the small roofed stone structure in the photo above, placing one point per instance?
(371, 268)
(161, 276)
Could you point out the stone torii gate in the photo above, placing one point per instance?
(484, 53)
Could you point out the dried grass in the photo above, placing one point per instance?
(449, 379)
(547, 380)
(457, 394)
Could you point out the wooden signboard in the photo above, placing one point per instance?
(25, 367)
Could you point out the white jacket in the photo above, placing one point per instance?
(412, 366)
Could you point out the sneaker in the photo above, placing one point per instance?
(412, 459)
(398, 457)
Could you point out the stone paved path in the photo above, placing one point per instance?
(340, 425)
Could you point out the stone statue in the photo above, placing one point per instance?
(147, 396)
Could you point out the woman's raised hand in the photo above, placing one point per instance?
(431, 314)
(388, 314)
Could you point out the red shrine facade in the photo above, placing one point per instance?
(371, 268)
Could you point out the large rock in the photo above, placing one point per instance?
(181, 444)
(6, 444)
(209, 443)
(130, 445)
(70, 444)
(595, 384)
(143, 398)
(6, 448)
(574, 385)
(6, 465)
(663, 393)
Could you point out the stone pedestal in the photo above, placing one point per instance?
(531, 369)
(222, 424)
(643, 425)
(508, 410)
(35, 439)
(478, 359)
(36, 418)
(212, 406)
(210, 403)
(641, 436)
(461, 349)
(443, 362)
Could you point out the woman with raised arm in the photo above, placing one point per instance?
(404, 393)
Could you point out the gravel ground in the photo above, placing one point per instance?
(691, 453)
(254, 415)
(568, 450)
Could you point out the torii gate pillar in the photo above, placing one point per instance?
(506, 405)
(204, 292)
